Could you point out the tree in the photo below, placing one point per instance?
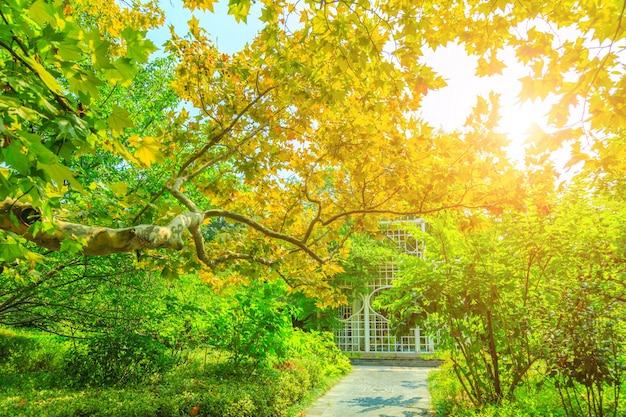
(268, 148)
(478, 286)
(306, 135)
(523, 293)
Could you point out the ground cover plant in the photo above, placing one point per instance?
(40, 376)
(537, 398)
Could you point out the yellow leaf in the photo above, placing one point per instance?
(147, 149)
(205, 5)
(194, 27)
(488, 68)
(332, 269)
(303, 16)
(119, 188)
(542, 141)
(44, 75)
(537, 88)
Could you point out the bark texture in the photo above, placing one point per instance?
(18, 218)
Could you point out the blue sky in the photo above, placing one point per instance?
(228, 35)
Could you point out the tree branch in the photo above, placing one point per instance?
(395, 212)
(98, 240)
(230, 256)
(215, 139)
(266, 231)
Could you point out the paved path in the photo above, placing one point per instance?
(376, 391)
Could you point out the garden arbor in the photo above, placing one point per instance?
(366, 328)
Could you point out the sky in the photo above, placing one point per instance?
(228, 35)
(446, 108)
(449, 107)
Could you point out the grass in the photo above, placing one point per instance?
(34, 382)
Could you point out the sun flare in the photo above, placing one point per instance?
(516, 121)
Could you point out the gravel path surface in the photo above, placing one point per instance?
(377, 391)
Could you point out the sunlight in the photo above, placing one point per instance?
(516, 120)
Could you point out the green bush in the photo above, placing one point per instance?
(313, 368)
(28, 359)
(319, 348)
(234, 398)
(107, 403)
(197, 387)
(445, 391)
(295, 382)
(13, 348)
(251, 324)
(116, 359)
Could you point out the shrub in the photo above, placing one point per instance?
(532, 399)
(587, 358)
(12, 348)
(445, 391)
(295, 382)
(191, 388)
(252, 325)
(22, 354)
(116, 359)
(319, 348)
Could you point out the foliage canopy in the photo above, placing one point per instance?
(276, 154)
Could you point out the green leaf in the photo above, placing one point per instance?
(69, 50)
(42, 12)
(168, 274)
(21, 84)
(36, 150)
(119, 119)
(13, 157)
(47, 78)
(138, 48)
(10, 250)
(7, 102)
(122, 72)
(239, 9)
(86, 85)
(60, 174)
(5, 187)
(73, 246)
(99, 49)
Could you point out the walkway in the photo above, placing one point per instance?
(376, 391)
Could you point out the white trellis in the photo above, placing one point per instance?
(366, 329)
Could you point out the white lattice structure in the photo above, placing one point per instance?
(399, 232)
(366, 329)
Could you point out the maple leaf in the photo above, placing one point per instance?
(205, 5)
(119, 119)
(138, 48)
(488, 68)
(60, 174)
(147, 149)
(239, 10)
(533, 88)
(194, 27)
